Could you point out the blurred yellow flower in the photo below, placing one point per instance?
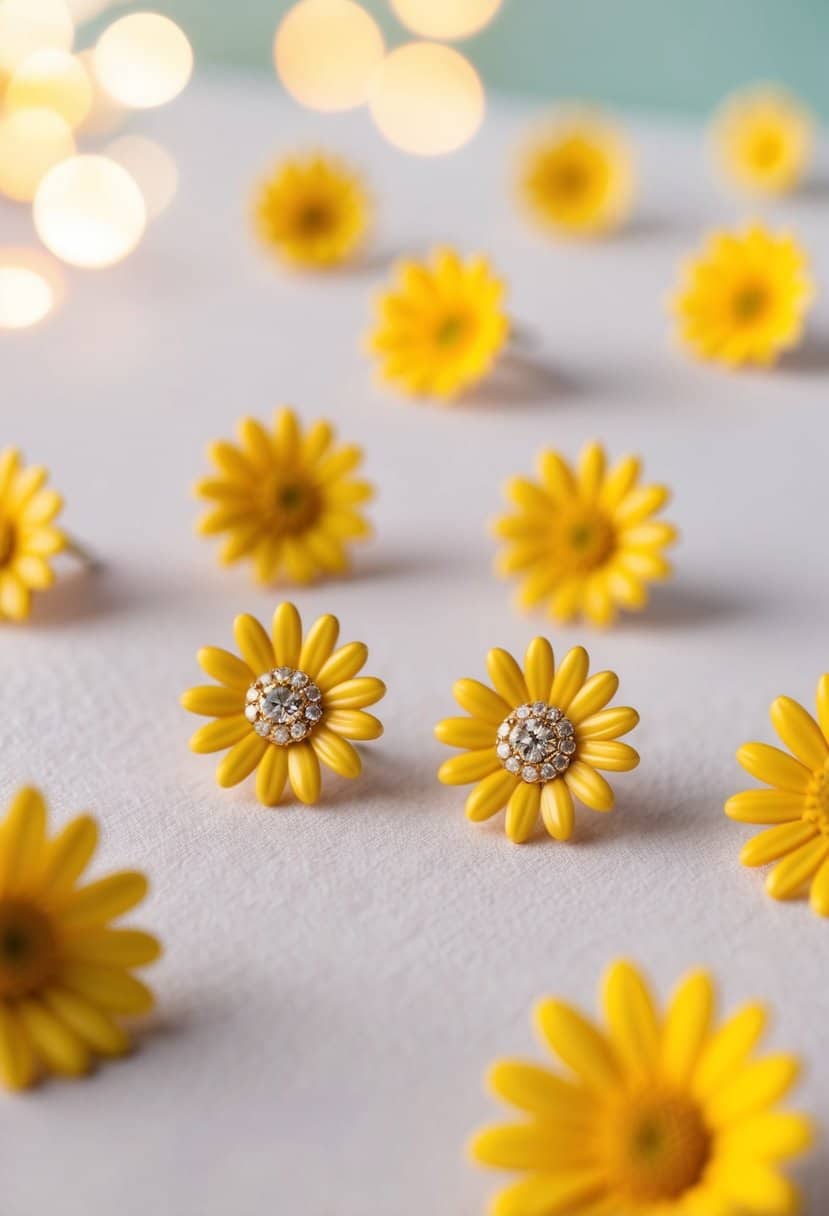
(65, 971)
(537, 741)
(313, 211)
(577, 177)
(796, 804)
(744, 298)
(763, 140)
(28, 536)
(286, 499)
(584, 541)
(287, 705)
(659, 1114)
(441, 327)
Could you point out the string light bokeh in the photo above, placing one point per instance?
(326, 53)
(143, 60)
(445, 19)
(427, 99)
(89, 212)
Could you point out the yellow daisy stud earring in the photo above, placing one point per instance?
(653, 1112)
(577, 175)
(312, 211)
(584, 541)
(287, 705)
(763, 140)
(536, 741)
(441, 326)
(286, 499)
(744, 298)
(793, 803)
(66, 970)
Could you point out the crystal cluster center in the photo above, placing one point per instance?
(283, 706)
(536, 742)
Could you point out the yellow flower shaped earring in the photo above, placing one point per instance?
(286, 706)
(537, 741)
(795, 803)
(65, 970)
(286, 499)
(763, 140)
(584, 541)
(663, 1113)
(441, 326)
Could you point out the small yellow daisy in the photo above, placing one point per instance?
(584, 541)
(577, 176)
(286, 499)
(441, 327)
(285, 706)
(28, 536)
(537, 741)
(763, 140)
(313, 211)
(65, 970)
(796, 805)
(659, 1114)
(744, 298)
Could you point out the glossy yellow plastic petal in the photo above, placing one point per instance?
(17, 1060)
(318, 645)
(355, 694)
(526, 1146)
(53, 1041)
(728, 1049)
(753, 1088)
(592, 696)
(589, 786)
(776, 842)
(522, 812)
(24, 836)
(304, 772)
(343, 665)
(115, 947)
(776, 768)
(539, 1092)
(226, 668)
(68, 854)
(507, 677)
(539, 669)
(819, 895)
(481, 702)
(218, 735)
(254, 643)
(103, 900)
(611, 756)
(557, 809)
(354, 724)
(570, 676)
(108, 987)
(565, 1193)
(792, 874)
(765, 806)
(823, 704)
(271, 776)
(490, 795)
(578, 1043)
(609, 723)
(95, 1028)
(800, 733)
(470, 766)
(465, 732)
(286, 633)
(770, 1136)
(336, 753)
(631, 1017)
(686, 1026)
(241, 760)
(214, 701)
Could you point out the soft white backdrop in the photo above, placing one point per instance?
(337, 979)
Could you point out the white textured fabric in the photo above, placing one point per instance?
(337, 979)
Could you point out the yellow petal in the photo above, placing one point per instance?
(525, 1146)
(318, 645)
(592, 696)
(539, 1092)
(552, 1195)
(687, 1024)
(60, 1049)
(15, 598)
(355, 694)
(231, 462)
(612, 756)
(304, 772)
(507, 677)
(529, 497)
(98, 1030)
(776, 842)
(800, 733)
(335, 752)
(631, 1018)
(42, 508)
(522, 812)
(241, 760)
(557, 809)
(619, 481)
(819, 896)
(17, 1061)
(591, 469)
(271, 776)
(728, 1048)
(759, 1190)
(589, 786)
(339, 463)
(765, 806)
(34, 572)
(480, 701)
(226, 667)
(609, 723)
(254, 643)
(286, 632)
(578, 1043)
(599, 607)
(539, 669)
(68, 854)
(464, 732)
(823, 704)
(219, 734)
(490, 795)
(24, 837)
(107, 987)
(255, 443)
(753, 1088)
(777, 769)
(342, 665)
(354, 724)
(287, 436)
(556, 475)
(240, 542)
(115, 947)
(571, 674)
(791, 874)
(103, 900)
(640, 503)
(470, 766)
(770, 1136)
(213, 701)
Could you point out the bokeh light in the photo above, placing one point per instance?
(143, 60)
(427, 99)
(52, 79)
(105, 114)
(89, 212)
(30, 288)
(31, 142)
(150, 166)
(30, 25)
(445, 19)
(326, 52)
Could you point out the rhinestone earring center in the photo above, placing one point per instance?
(536, 742)
(283, 706)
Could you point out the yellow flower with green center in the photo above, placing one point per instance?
(763, 140)
(584, 541)
(536, 740)
(28, 535)
(313, 211)
(65, 969)
(441, 327)
(289, 704)
(795, 806)
(286, 499)
(744, 298)
(577, 176)
(659, 1113)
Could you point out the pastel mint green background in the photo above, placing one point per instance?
(675, 54)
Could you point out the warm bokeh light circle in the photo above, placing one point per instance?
(30, 287)
(89, 212)
(427, 99)
(151, 167)
(27, 26)
(445, 19)
(143, 60)
(52, 79)
(31, 143)
(326, 52)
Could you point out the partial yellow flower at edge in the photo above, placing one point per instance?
(536, 740)
(65, 970)
(290, 703)
(763, 140)
(584, 541)
(28, 535)
(654, 1111)
(441, 326)
(744, 298)
(313, 211)
(577, 175)
(286, 499)
(793, 805)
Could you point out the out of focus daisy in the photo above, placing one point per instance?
(763, 140)
(312, 210)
